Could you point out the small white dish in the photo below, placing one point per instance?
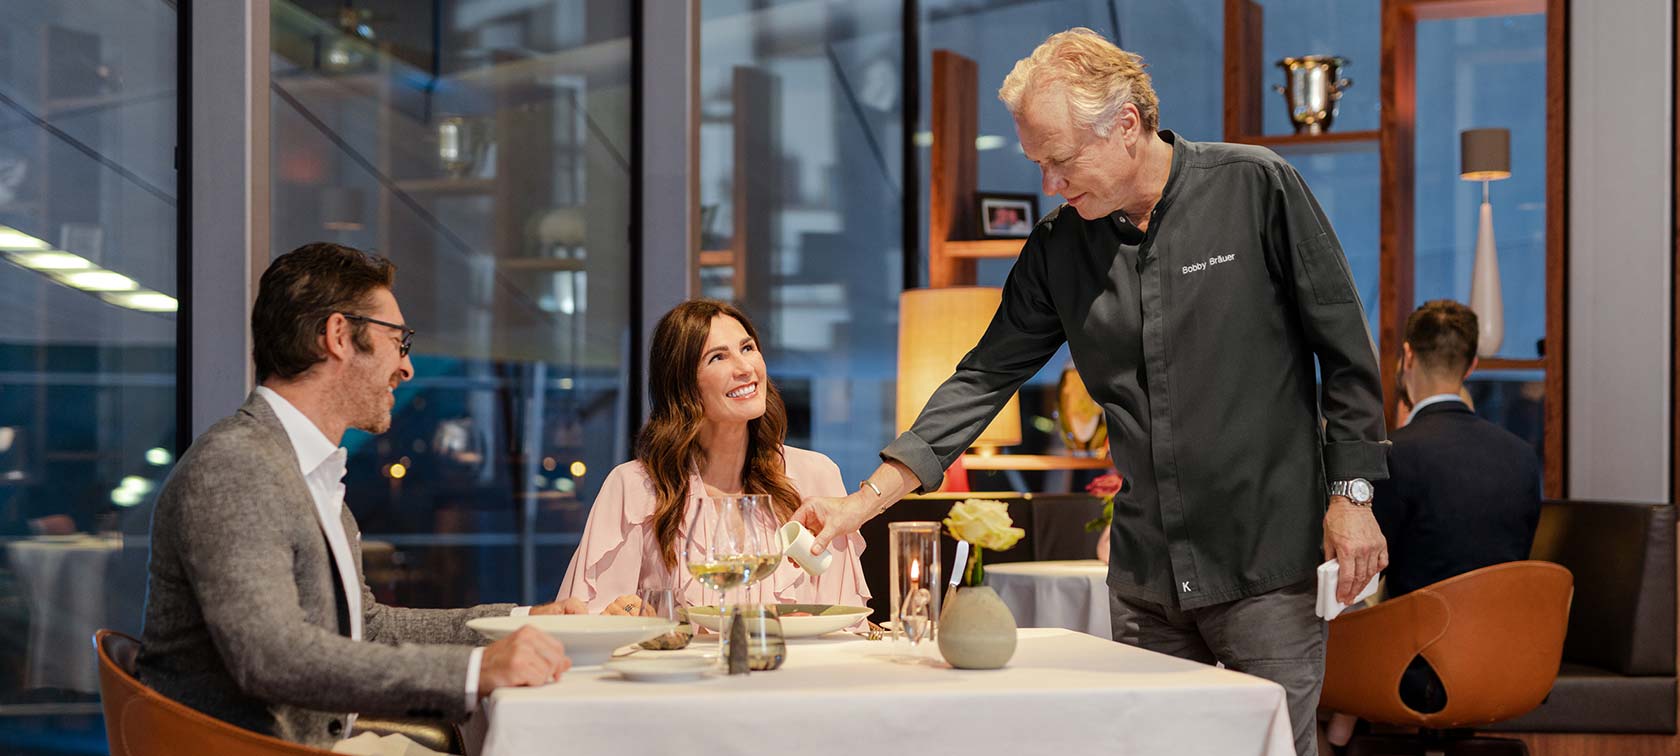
(589, 638)
(645, 667)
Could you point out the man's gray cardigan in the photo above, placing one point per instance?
(246, 619)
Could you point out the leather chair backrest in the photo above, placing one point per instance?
(1494, 635)
(1623, 559)
(1498, 655)
(140, 722)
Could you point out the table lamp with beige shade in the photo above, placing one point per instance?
(936, 328)
(1485, 155)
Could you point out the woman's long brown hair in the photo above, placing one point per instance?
(669, 445)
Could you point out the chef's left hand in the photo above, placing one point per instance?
(1353, 539)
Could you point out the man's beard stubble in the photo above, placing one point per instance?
(372, 410)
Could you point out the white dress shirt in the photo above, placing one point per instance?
(322, 464)
(1428, 400)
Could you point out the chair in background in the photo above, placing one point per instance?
(1494, 636)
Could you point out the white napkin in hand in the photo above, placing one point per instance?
(1329, 574)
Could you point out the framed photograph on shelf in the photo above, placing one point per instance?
(1006, 216)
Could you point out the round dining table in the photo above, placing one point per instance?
(1067, 594)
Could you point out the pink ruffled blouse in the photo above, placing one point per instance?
(619, 551)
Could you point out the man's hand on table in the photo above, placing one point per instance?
(1353, 539)
(525, 658)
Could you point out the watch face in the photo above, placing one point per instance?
(1359, 490)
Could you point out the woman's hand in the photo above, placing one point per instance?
(626, 605)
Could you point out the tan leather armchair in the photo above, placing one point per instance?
(140, 722)
(1494, 637)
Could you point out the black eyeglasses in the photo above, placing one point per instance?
(407, 333)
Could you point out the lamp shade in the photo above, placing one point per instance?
(936, 328)
(1484, 154)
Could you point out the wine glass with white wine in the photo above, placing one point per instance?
(721, 551)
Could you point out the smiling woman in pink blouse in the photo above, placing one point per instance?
(716, 428)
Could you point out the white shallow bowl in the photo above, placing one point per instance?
(825, 618)
(589, 638)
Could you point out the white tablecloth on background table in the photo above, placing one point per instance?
(1063, 693)
(64, 579)
(1072, 595)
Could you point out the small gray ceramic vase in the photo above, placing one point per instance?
(976, 630)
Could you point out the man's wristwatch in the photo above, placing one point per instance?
(1357, 490)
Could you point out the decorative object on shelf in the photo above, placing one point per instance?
(341, 208)
(1312, 90)
(1006, 216)
(977, 630)
(936, 328)
(1079, 417)
(1485, 155)
(913, 571)
(1105, 487)
(461, 144)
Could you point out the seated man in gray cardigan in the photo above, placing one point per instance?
(256, 612)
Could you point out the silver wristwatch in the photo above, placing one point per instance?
(1357, 490)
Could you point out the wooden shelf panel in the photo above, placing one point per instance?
(985, 248)
(446, 185)
(1510, 363)
(539, 264)
(717, 258)
(1033, 462)
(1335, 141)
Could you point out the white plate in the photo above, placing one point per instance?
(643, 667)
(589, 638)
(826, 618)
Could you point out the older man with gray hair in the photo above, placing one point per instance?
(1196, 284)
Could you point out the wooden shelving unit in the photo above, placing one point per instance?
(1033, 462)
(1336, 141)
(1393, 142)
(953, 168)
(984, 249)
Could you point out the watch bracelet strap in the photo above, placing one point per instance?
(1341, 488)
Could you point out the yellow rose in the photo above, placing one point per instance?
(984, 523)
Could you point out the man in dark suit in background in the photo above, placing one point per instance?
(1462, 492)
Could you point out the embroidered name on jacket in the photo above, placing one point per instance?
(1201, 266)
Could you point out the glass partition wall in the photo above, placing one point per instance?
(485, 150)
(88, 303)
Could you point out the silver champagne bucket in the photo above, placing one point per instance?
(1313, 89)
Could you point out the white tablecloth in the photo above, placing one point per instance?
(1071, 594)
(65, 582)
(1063, 693)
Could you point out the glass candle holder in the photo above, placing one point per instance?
(913, 549)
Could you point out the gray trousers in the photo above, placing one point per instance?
(1275, 636)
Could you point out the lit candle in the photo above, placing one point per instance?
(915, 575)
